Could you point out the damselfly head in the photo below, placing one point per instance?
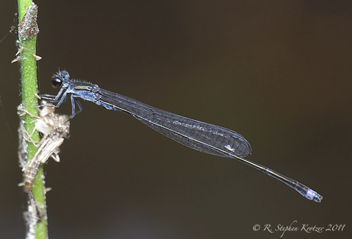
(60, 78)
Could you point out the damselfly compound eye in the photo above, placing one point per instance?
(56, 82)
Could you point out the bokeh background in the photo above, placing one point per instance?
(277, 72)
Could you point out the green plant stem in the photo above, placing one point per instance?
(27, 46)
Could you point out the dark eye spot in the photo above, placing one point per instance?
(56, 82)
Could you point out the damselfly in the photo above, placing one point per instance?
(204, 137)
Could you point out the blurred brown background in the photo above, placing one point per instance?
(277, 72)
